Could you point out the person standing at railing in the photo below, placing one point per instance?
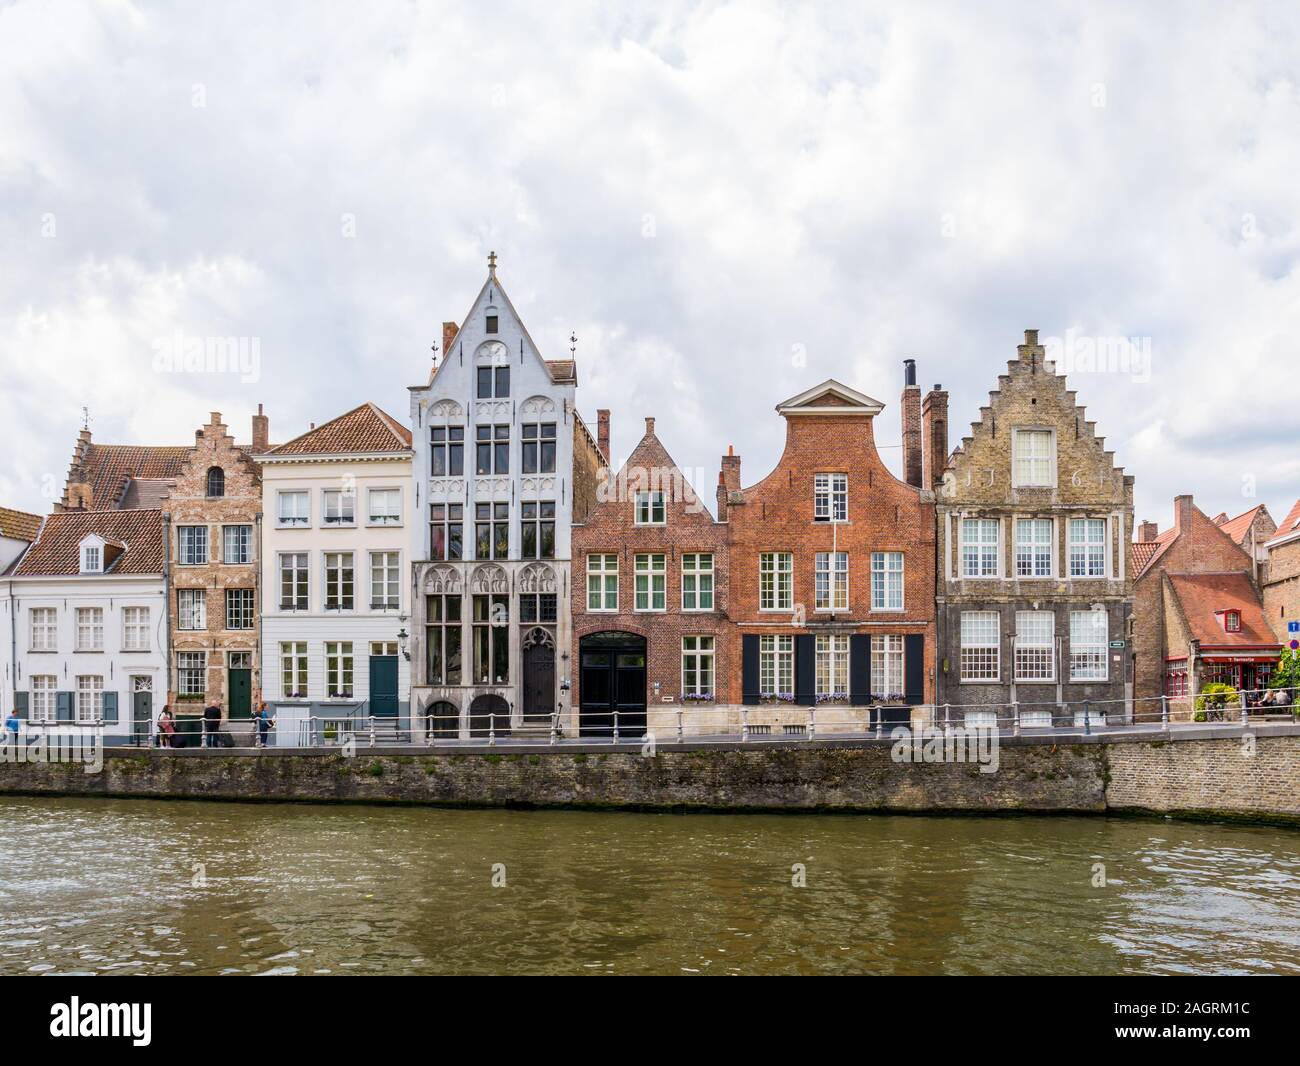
(211, 723)
(166, 728)
(11, 726)
(265, 721)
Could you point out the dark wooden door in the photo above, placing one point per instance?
(613, 678)
(539, 675)
(383, 686)
(241, 694)
(141, 715)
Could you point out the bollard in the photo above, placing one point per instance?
(812, 722)
(615, 725)
(744, 724)
(428, 731)
(1015, 718)
(1164, 713)
(947, 715)
(492, 729)
(372, 730)
(1087, 717)
(679, 725)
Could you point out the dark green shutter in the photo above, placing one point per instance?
(914, 668)
(20, 704)
(749, 668)
(805, 670)
(63, 706)
(860, 669)
(110, 707)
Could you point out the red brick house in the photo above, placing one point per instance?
(1281, 575)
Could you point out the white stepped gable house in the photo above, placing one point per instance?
(84, 627)
(336, 544)
(493, 432)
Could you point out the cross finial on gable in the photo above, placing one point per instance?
(492, 263)
(85, 418)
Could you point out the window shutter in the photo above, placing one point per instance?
(749, 668)
(63, 706)
(20, 704)
(110, 707)
(860, 669)
(914, 668)
(805, 670)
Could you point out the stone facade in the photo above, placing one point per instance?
(1281, 576)
(1034, 523)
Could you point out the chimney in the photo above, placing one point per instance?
(1148, 531)
(1183, 507)
(728, 480)
(934, 437)
(911, 425)
(449, 331)
(602, 432)
(649, 427)
(261, 432)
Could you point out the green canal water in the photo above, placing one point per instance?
(133, 886)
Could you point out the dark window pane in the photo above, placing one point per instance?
(502, 540)
(484, 382)
(482, 540)
(456, 459)
(483, 460)
(503, 459)
(453, 653)
(491, 323)
(528, 462)
(502, 432)
(437, 541)
(528, 547)
(439, 456)
(454, 542)
(503, 381)
(548, 457)
(548, 540)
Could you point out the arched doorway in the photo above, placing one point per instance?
(443, 719)
(612, 680)
(539, 676)
(487, 713)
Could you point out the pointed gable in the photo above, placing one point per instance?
(364, 429)
(830, 398)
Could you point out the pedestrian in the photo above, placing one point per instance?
(166, 728)
(264, 723)
(11, 726)
(211, 723)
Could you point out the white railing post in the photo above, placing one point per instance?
(615, 725)
(372, 730)
(428, 731)
(744, 724)
(492, 729)
(1015, 718)
(679, 725)
(812, 721)
(1164, 712)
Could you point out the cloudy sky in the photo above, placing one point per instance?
(726, 202)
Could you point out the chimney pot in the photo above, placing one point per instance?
(602, 432)
(261, 432)
(1031, 337)
(649, 427)
(909, 372)
(911, 404)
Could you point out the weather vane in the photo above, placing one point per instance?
(573, 343)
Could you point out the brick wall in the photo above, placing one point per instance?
(1282, 587)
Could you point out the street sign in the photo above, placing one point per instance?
(1295, 644)
(1293, 627)
(1117, 644)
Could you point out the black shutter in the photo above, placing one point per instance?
(860, 669)
(749, 668)
(805, 670)
(63, 706)
(20, 704)
(914, 668)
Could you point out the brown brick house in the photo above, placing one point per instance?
(650, 597)
(831, 569)
(1281, 576)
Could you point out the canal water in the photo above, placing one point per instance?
(135, 886)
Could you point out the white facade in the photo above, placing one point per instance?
(508, 501)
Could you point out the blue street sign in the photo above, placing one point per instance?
(1293, 627)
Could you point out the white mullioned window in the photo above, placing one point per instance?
(776, 581)
(1035, 649)
(44, 700)
(293, 581)
(44, 624)
(979, 547)
(832, 581)
(981, 646)
(340, 507)
(192, 545)
(90, 698)
(241, 610)
(697, 581)
(294, 507)
(651, 583)
(191, 673)
(236, 545)
(293, 669)
(90, 559)
(887, 666)
(650, 510)
(135, 628)
(832, 662)
(602, 582)
(338, 669)
(385, 508)
(1087, 547)
(1033, 547)
(1033, 457)
(90, 629)
(830, 497)
(886, 581)
(338, 581)
(385, 594)
(776, 665)
(697, 667)
(1089, 638)
(191, 609)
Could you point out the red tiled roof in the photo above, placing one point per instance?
(18, 525)
(363, 429)
(1237, 528)
(1291, 523)
(1201, 595)
(146, 493)
(1146, 552)
(111, 465)
(56, 550)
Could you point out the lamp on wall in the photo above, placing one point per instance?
(402, 637)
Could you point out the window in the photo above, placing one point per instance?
(442, 640)
(537, 530)
(538, 448)
(384, 592)
(193, 541)
(979, 547)
(1033, 547)
(446, 530)
(697, 668)
(293, 581)
(44, 628)
(776, 666)
(491, 323)
(293, 670)
(493, 382)
(1232, 621)
(90, 629)
(886, 581)
(340, 507)
(44, 698)
(191, 673)
(775, 581)
(1089, 637)
(832, 586)
(90, 559)
(1175, 676)
(236, 545)
(887, 667)
(135, 628)
(90, 698)
(491, 530)
(697, 581)
(981, 646)
(383, 647)
(831, 498)
(191, 609)
(338, 581)
(1035, 648)
(491, 624)
(650, 509)
(216, 482)
(1087, 547)
(338, 669)
(1033, 459)
(492, 449)
(832, 658)
(293, 508)
(385, 507)
(650, 583)
(538, 607)
(602, 582)
(240, 612)
(447, 451)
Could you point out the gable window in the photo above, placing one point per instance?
(490, 323)
(293, 581)
(338, 581)
(697, 668)
(135, 628)
(338, 669)
(1035, 646)
(293, 670)
(384, 592)
(1033, 458)
(776, 666)
(442, 640)
(236, 544)
(775, 581)
(886, 581)
(447, 451)
(446, 530)
(538, 447)
(44, 628)
(1033, 547)
(1089, 637)
(385, 507)
(340, 507)
(979, 547)
(90, 629)
(697, 581)
(537, 528)
(191, 673)
(293, 508)
(216, 482)
(832, 667)
(191, 609)
(1232, 621)
(90, 698)
(887, 666)
(650, 509)
(831, 498)
(493, 382)
(832, 583)
(492, 449)
(239, 609)
(651, 583)
(602, 582)
(491, 530)
(193, 545)
(980, 646)
(1087, 547)
(90, 559)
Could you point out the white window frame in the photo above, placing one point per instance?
(235, 605)
(240, 536)
(602, 569)
(1034, 649)
(1086, 654)
(90, 698)
(980, 634)
(340, 665)
(776, 581)
(334, 587)
(194, 542)
(386, 576)
(887, 579)
(293, 520)
(90, 629)
(189, 663)
(830, 497)
(1031, 548)
(338, 508)
(831, 656)
(831, 582)
(1087, 546)
(189, 603)
(303, 571)
(135, 628)
(650, 583)
(43, 628)
(44, 698)
(293, 669)
(776, 664)
(698, 666)
(1028, 468)
(977, 548)
(648, 504)
(697, 571)
(389, 518)
(888, 664)
(92, 559)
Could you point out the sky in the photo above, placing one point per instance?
(726, 203)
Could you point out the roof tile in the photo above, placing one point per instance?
(363, 429)
(55, 551)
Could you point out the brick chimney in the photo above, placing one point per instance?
(934, 437)
(602, 432)
(261, 432)
(1183, 507)
(449, 331)
(1148, 531)
(728, 480)
(649, 426)
(912, 464)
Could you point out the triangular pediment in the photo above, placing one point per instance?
(830, 398)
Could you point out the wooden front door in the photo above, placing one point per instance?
(539, 674)
(383, 686)
(613, 679)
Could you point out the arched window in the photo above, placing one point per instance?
(216, 482)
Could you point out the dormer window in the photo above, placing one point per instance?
(92, 559)
(491, 323)
(216, 483)
(1232, 621)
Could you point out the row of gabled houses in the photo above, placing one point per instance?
(485, 566)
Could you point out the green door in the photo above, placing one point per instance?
(141, 715)
(383, 686)
(241, 694)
